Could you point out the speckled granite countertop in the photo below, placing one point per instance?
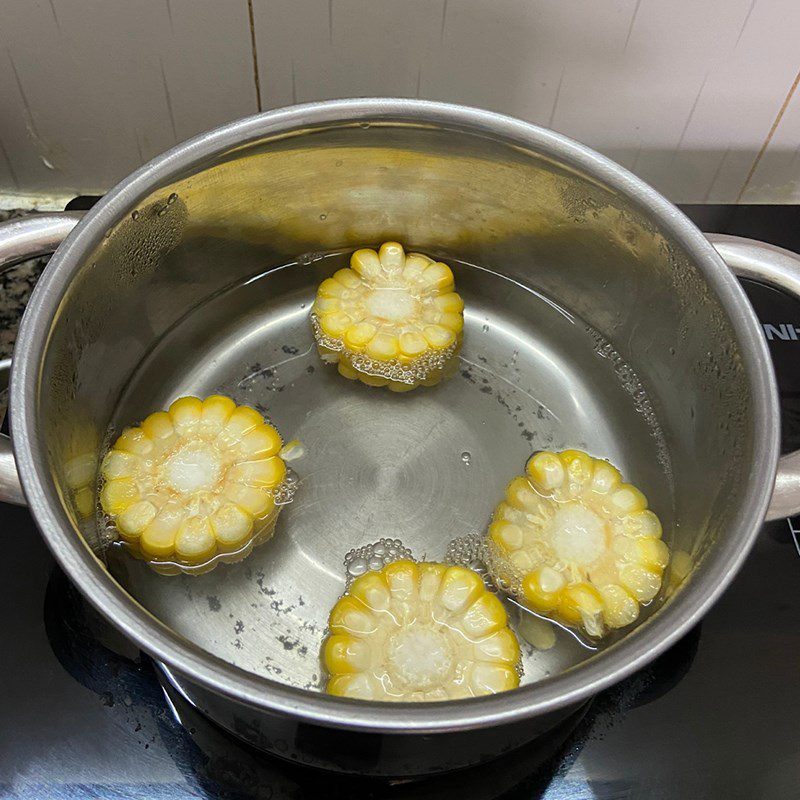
(16, 285)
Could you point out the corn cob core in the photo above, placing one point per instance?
(575, 543)
(419, 632)
(393, 319)
(194, 482)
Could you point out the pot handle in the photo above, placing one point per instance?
(780, 269)
(20, 239)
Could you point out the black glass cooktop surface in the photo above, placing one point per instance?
(83, 715)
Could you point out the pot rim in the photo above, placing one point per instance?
(565, 689)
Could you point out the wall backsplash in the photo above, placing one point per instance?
(700, 99)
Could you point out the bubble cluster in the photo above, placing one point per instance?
(374, 556)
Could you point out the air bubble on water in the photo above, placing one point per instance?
(363, 125)
(467, 551)
(414, 373)
(641, 402)
(466, 457)
(285, 493)
(358, 566)
(172, 198)
(323, 217)
(374, 556)
(162, 211)
(135, 215)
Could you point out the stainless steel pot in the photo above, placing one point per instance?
(548, 213)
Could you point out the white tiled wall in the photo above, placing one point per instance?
(699, 97)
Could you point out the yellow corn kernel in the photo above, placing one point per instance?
(620, 608)
(520, 494)
(372, 380)
(430, 579)
(351, 616)
(84, 501)
(401, 577)
(449, 303)
(348, 278)
(119, 464)
(80, 471)
(627, 499)
(412, 344)
(392, 258)
(194, 482)
(499, 647)
(452, 321)
(579, 468)
(506, 535)
(331, 288)
(357, 686)
(484, 616)
(415, 266)
(135, 518)
(254, 500)
(579, 601)
(327, 305)
(438, 276)
(492, 678)
(398, 313)
(195, 540)
(366, 263)
(358, 336)
(537, 631)
(158, 425)
(642, 582)
(186, 412)
(543, 591)
(335, 324)
(573, 542)
(546, 470)
(371, 589)
(460, 587)
(134, 441)
(346, 371)
(605, 477)
(158, 540)
(653, 553)
(383, 347)
(438, 337)
(642, 523)
(452, 639)
(345, 654)
(117, 495)
(679, 568)
(232, 526)
(240, 422)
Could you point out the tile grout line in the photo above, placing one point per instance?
(254, 51)
(771, 133)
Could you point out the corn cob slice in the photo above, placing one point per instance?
(194, 485)
(575, 543)
(393, 319)
(419, 632)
